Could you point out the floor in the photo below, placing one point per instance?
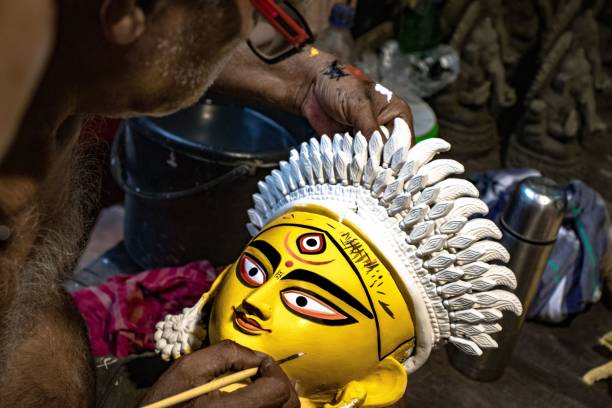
(545, 371)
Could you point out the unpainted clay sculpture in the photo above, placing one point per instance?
(466, 109)
(586, 33)
(523, 24)
(557, 17)
(561, 113)
(562, 133)
(496, 11)
(598, 148)
(603, 12)
(365, 256)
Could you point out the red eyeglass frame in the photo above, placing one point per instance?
(297, 36)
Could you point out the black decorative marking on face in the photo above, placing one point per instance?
(355, 248)
(386, 308)
(308, 305)
(311, 243)
(335, 71)
(274, 257)
(329, 286)
(350, 262)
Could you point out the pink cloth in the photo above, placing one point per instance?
(122, 312)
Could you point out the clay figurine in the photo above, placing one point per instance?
(466, 110)
(586, 33)
(557, 17)
(365, 256)
(523, 24)
(561, 114)
(599, 148)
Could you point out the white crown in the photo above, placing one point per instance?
(419, 218)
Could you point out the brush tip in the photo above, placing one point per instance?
(291, 357)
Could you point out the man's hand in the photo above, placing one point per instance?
(271, 388)
(333, 96)
(337, 97)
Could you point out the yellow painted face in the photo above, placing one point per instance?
(310, 284)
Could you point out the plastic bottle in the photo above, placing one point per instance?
(419, 29)
(337, 38)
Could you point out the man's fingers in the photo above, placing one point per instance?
(396, 109)
(319, 119)
(272, 388)
(377, 111)
(263, 392)
(231, 356)
(269, 368)
(364, 119)
(205, 364)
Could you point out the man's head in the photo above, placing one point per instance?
(146, 56)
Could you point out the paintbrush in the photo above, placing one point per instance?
(214, 385)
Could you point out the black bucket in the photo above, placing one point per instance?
(189, 178)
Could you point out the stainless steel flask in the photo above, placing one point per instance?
(530, 224)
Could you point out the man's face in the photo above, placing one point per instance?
(307, 284)
(184, 46)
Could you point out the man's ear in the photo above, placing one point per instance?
(382, 388)
(123, 21)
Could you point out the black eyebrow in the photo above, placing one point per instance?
(269, 251)
(329, 286)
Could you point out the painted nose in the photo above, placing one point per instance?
(258, 304)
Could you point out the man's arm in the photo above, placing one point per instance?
(333, 96)
(27, 31)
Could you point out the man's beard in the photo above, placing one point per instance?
(45, 338)
(191, 76)
(60, 223)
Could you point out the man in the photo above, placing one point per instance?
(120, 58)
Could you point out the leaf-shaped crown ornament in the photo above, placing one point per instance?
(447, 257)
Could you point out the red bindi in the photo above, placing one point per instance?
(288, 264)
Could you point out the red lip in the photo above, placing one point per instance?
(246, 324)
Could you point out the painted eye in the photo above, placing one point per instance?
(312, 243)
(307, 305)
(251, 272)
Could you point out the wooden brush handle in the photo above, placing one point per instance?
(214, 385)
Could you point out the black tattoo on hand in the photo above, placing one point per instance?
(335, 71)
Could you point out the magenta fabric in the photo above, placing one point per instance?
(122, 312)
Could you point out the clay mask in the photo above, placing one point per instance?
(365, 256)
(308, 283)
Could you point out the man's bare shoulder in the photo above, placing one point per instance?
(27, 33)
